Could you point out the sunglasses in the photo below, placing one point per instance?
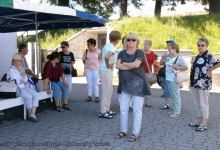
(133, 40)
(201, 45)
(62, 46)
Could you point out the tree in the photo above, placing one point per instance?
(214, 6)
(102, 8)
(157, 10)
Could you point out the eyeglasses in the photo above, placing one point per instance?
(133, 40)
(88, 44)
(201, 45)
(63, 46)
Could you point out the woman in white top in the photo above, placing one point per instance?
(17, 72)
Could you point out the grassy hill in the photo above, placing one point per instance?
(184, 30)
(51, 38)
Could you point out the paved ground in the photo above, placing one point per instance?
(81, 128)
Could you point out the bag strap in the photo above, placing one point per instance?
(147, 63)
(176, 60)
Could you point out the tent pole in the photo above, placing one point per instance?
(37, 48)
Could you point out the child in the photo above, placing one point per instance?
(156, 70)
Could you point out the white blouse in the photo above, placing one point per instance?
(14, 74)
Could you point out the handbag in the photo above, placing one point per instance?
(181, 76)
(74, 72)
(8, 89)
(162, 71)
(152, 78)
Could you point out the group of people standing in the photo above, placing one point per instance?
(133, 73)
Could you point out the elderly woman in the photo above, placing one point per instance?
(53, 71)
(132, 83)
(17, 72)
(66, 61)
(150, 59)
(178, 63)
(91, 59)
(201, 83)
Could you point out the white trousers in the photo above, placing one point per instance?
(30, 96)
(107, 88)
(92, 81)
(68, 81)
(137, 112)
(201, 102)
(131, 101)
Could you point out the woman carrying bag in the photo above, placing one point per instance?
(67, 60)
(91, 59)
(178, 63)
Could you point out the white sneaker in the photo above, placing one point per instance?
(175, 115)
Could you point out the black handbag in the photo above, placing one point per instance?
(74, 72)
(162, 71)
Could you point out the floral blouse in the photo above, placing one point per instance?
(199, 70)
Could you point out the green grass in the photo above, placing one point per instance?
(184, 30)
(51, 38)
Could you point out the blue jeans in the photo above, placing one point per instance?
(165, 87)
(174, 89)
(57, 88)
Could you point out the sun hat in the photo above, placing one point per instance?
(16, 56)
(171, 41)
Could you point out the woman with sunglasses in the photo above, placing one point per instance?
(132, 83)
(150, 59)
(53, 71)
(91, 59)
(67, 60)
(201, 83)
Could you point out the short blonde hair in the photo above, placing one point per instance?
(133, 35)
(114, 36)
(148, 41)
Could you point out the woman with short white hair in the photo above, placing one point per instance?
(132, 83)
(201, 83)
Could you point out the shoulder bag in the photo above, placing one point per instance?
(8, 89)
(152, 78)
(181, 76)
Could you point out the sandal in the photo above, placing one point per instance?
(147, 105)
(202, 127)
(133, 138)
(97, 100)
(120, 135)
(59, 109)
(194, 124)
(89, 99)
(65, 106)
(105, 115)
(112, 113)
(165, 107)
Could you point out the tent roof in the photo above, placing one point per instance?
(23, 15)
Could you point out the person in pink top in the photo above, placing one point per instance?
(150, 59)
(91, 59)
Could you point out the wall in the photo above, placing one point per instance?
(8, 42)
